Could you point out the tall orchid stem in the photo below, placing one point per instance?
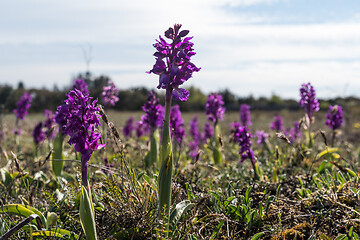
(84, 172)
(166, 161)
(311, 141)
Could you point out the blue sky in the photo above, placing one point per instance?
(257, 47)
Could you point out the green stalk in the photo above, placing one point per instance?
(57, 163)
(152, 155)
(87, 212)
(217, 156)
(166, 161)
(311, 140)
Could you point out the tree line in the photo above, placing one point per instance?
(133, 99)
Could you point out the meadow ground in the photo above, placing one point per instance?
(303, 192)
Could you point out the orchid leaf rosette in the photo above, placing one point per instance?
(79, 118)
(173, 66)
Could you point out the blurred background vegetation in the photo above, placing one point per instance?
(132, 99)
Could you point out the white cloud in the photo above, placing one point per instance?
(239, 51)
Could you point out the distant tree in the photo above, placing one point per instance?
(229, 99)
(21, 85)
(196, 101)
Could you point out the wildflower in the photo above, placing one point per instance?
(245, 115)
(173, 62)
(262, 136)
(154, 113)
(295, 131)
(196, 137)
(23, 105)
(242, 136)
(38, 133)
(308, 99)
(214, 108)
(141, 128)
(208, 131)
(194, 129)
(334, 117)
(17, 131)
(177, 124)
(277, 124)
(128, 128)
(110, 94)
(79, 118)
(234, 128)
(174, 68)
(49, 124)
(81, 85)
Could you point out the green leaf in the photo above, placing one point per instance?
(352, 173)
(87, 215)
(56, 232)
(355, 236)
(189, 191)
(217, 230)
(322, 166)
(228, 201)
(341, 237)
(268, 202)
(247, 195)
(165, 179)
(278, 191)
(57, 163)
(23, 210)
(327, 151)
(5, 177)
(179, 210)
(257, 236)
(350, 232)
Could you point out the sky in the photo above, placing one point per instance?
(258, 47)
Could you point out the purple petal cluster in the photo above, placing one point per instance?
(78, 117)
(208, 131)
(196, 137)
(214, 107)
(277, 124)
(38, 133)
(173, 61)
(308, 99)
(194, 129)
(242, 136)
(234, 128)
(23, 105)
(177, 124)
(110, 94)
(154, 112)
(262, 136)
(295, 131)
(141, 128)
(245, 118)
(334, 117)
(129, 127)
(81, 85)
(49, 124)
